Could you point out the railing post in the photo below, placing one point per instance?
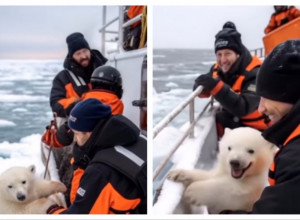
(121, 21)
(163, 123)
(103, 32)
(192, 117)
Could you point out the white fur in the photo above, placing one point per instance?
(22, 193)
(217, 189)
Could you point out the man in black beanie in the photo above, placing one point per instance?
(67, 89)
(72, 82)
(278, 85)
(232, 83)
(110, 163)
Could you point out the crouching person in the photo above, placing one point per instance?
(110, 168)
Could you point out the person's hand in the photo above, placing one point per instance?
(234, 212)
(208, 84)
(206, 81)
(53, 208)
(49, 137)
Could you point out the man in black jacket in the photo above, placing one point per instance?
(278, 85)
(232, 83)
(67, 89)
(110, 163)
(70, 83)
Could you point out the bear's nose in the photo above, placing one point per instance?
(21, 197)
(235, 163)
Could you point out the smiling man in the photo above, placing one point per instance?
(278, 85)
(73, 81)
(67, 89)
(232, 82)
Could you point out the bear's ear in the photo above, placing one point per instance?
(227, 131)
(32, 168)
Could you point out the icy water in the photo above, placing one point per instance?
(24, 97)
(174, 72)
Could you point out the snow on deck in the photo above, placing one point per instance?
(186, 157)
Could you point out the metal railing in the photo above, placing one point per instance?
(259, 52)
(189, 132)
(190, 99)
(103, 30)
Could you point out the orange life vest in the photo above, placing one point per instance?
(134, 11)
(277, 19)
(107, 98)
(254, 119)
(293, 135)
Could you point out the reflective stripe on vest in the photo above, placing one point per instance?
(77, 79)
(293, 135)
(255, 119)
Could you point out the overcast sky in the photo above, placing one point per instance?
(39, 32)
(196, 26)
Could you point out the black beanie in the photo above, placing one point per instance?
(279, 76)
(76, 42)
(86, 115)
(229, 24)
(228, 38)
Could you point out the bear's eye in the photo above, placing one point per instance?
(229, 148)
(23, 182)
(10, 186)
(251, 151)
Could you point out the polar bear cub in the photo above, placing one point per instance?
(239, 177)
(23, 193)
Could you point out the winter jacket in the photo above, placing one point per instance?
(103, 187)
(236, 91)
(64, 135)
(106, 97)
(72, 82)
(281, 18)
(283, 194)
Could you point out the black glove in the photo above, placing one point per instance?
(206, 81)
(234, 212)
(53, 208)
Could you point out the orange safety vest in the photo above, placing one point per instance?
(293, 135)
(254, 119)
(276, 19)
(71, 95)
(134, 11)
(107, 98)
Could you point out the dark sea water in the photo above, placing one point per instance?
(174, 72)
(24, 97)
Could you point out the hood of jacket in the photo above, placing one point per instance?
(117, 130)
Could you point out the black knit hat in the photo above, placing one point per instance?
(279, 76)
(76, 42)
(229, 24)
(228, 38)
(86, 114)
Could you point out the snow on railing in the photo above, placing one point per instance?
(190, 99)
(163, 123)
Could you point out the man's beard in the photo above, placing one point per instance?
(83, 60)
